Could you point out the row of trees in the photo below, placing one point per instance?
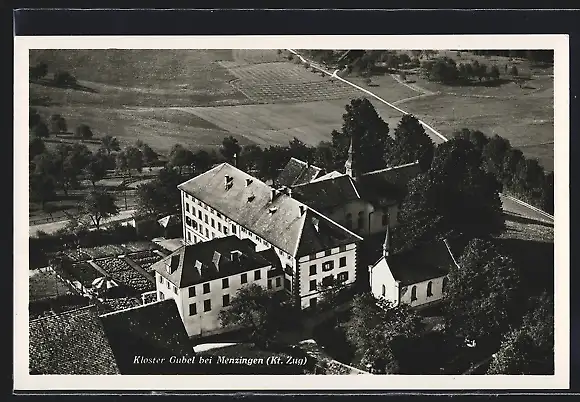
(446, 70)
(521, 176)
(59, 78)
(56, 125)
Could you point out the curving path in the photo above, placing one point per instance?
(509, 204)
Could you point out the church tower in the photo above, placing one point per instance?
(350, 167)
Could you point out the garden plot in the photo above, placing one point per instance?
(122, 272)
(145, 259)
(85, 273)
(77, 255)
(105, 251)
(136, 246)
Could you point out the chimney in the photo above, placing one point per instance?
(302, 209)
(226, 180)
(198, 266)
(248, 182)
(235, 255)
(273, 194)
(216, 260)
(387, 243)
(235, 160)
(315, 222)
(229, 182)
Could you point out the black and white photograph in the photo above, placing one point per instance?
(293, 208)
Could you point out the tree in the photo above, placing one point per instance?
(96, 169)
(511, 161)
(373, 327)
(514, 71)
(160, 196)
(83, 131)
(476, 137)
(230, 148)
(274, 158)
(38, 71)
(529, 349)
(362, 124)
(40, 130)
(411, 144)
(149, 155)
(33, 118)
(251, 158)
(529, 175)
(483, 290)
(494, 154)
(110, 143)
(41, 188)
(547, 202)
(454, 197)
(179, 157)
(69, 161)
(134, 158)
(494, 73)
(64, 79)
(202, 161)
(99, 205)
(330, 292)
(323, 156)
(254, 308)
(35, 147)
(57, 124)
(300, 150)
(121, 162)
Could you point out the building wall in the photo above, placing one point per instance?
(422, 298)
(381, 276)
(208, 321)
(372, 219)
(318, 259)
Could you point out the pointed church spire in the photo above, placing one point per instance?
(387, 243)
(350, 164)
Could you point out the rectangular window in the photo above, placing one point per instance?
(199, 214)
(234, 229)
(342, 277)
(206, 305)
(188, 221)
(212, 235)
(342, 249)
(342, 262)
(244, 278)
(278, 282)
(168, 285)
(219, 215)
(206, 233)
(192, 291)
(160, 279)
(226, 300)
(328, 266)
(161, 296)
(174, 289)
(193, 210)
(269, 283)
(194, 238)
(327, 253)
(219, 226)
(205, 218)
(225, 230)
(257, 275)
(206, 288)
(312, 256)
(192, 309)
(212, 222)
(288, 284)
(187, 207)
(313, 285)
(313, 269)
(188, 236)
(225, 283)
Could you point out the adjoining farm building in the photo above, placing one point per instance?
(417, 277)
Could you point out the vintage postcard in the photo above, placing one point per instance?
(292, 213)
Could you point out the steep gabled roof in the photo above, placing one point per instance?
(187, 274)
(73, 342)
(325, 194)
(428, 261)
(296, 172)
(330, 175)
(248, 201)
(151, 330)
(387, 186)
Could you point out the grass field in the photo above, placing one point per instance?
(43, 284)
